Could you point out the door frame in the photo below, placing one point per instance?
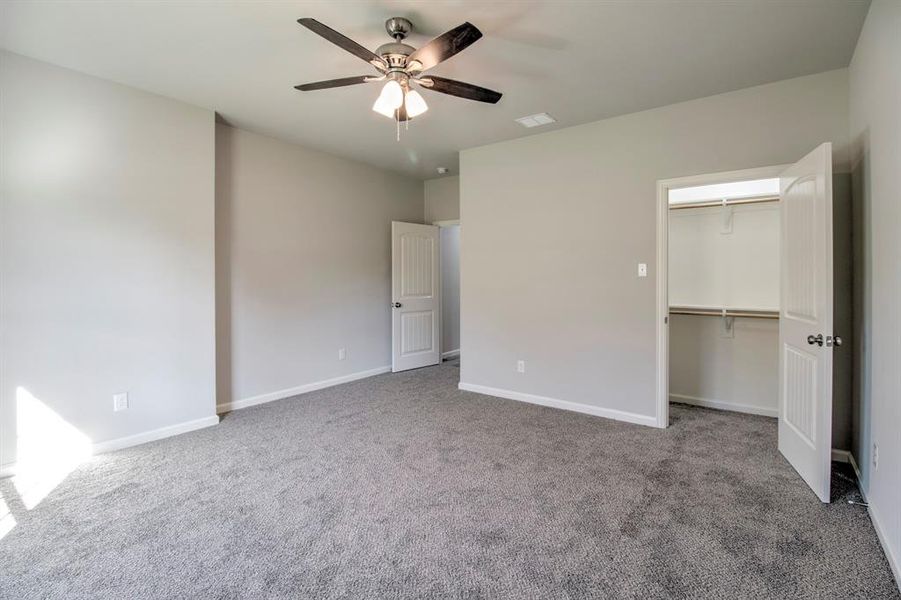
(662, 286)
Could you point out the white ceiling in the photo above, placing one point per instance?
(578, 61)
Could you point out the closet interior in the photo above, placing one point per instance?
(724, 264)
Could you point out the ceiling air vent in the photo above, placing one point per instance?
(536, 120)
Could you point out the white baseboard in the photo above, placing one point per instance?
(876, 519)
(720, 405)
(450, 354)
(301, 389)
(607, 413)
(883, 540)
(153, 435)
(854, 466)
(9, 469)
(842, 456)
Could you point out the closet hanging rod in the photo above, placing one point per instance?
(716, 312)
(707, 203)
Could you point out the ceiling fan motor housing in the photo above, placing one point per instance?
(395, 53)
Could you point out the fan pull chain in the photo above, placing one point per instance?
(398, 129)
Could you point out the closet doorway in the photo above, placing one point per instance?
(724, 296)
(745, 301)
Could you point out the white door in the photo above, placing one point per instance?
(805, 326)
(416, 296)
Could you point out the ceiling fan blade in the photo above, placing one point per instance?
(459, 88)
(344, 42)
(333, 83)
(443, 47)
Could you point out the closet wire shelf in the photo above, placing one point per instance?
(724, 202)
(724, 312)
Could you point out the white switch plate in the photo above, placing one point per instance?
(120, 402)
(521, 366)
(342, 353)
(642, 269)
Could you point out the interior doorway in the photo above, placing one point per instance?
(425, 289)
(416, 296)
(724, 296)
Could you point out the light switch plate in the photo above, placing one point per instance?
(120, 401)
(642, 269)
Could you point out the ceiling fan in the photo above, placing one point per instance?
(400, 65)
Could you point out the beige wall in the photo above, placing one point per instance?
(442, 199)
(875, 84)
(556, 223)
(107, 254)
(303, 264)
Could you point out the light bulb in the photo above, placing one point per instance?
(415, 104)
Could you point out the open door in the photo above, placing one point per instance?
(416, 293)
(805, 326)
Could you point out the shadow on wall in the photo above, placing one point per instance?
(843, 310)
(862, 294)
(223, 225)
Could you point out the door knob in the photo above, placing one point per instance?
(397, 305)
(818, 340)
(833, 341)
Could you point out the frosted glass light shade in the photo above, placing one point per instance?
(382, 107)
(415, 104)
(391, 98)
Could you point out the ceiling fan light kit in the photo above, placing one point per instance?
(401, 65)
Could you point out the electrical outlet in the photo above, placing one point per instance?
(120, 401)
(520, 366)
(875, 457)
(642, 269)
(342, 353)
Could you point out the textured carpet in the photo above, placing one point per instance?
(401, 486)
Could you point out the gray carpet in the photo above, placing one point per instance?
(401, 486)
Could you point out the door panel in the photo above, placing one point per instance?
(416, 304)
(800, 216)
(800, 413)
(805, 365)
